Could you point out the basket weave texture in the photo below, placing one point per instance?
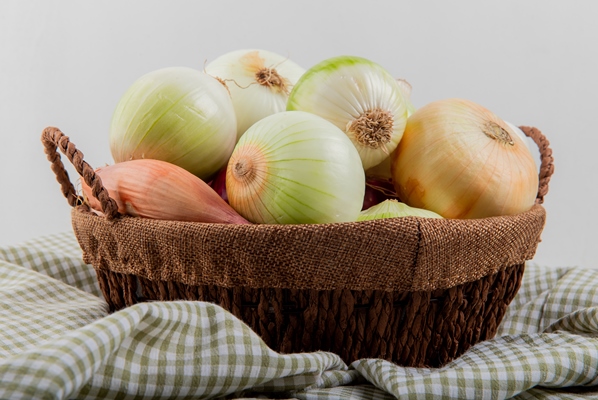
(415, 291)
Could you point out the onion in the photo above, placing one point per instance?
(382, 170)
(178, 115)
(460, 160)
(371, 197)
(295, 168)
(359, 97)
(160, 190)
(376, 191)
(393, 209)
(259, 82)
(219, 184)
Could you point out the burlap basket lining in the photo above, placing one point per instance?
(403, 254)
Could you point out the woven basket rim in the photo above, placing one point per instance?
(421, 262)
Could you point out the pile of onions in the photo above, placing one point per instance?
(179, 115)
(294, 167)
(460, 160)
(281, 145)
(358, 96)
(259, 82)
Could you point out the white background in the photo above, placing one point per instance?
(66, 64)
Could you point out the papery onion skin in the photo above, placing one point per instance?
(394, 209)
(259, 82)
(176, 114)
(460, 160)
(295, 168)
(361, 98)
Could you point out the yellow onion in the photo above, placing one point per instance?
(460, 160)
(294, 167)
(160, 190)
(392, 209)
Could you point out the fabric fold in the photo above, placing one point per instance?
(58, 341)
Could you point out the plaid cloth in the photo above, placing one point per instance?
(58, 341)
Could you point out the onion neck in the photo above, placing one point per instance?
(270, 78)
(243, 169)
(497, 132)
(249, 166)
(373, 128)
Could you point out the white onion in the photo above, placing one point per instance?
(393, 209)
(179, 115)
(259, 82)
(295, 167)
(359, 97)
(382, 170)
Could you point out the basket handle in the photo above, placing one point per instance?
(547, 161)
(53, 139)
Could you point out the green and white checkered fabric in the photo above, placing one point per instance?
(57, 341)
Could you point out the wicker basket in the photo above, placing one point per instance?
(415, 291)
